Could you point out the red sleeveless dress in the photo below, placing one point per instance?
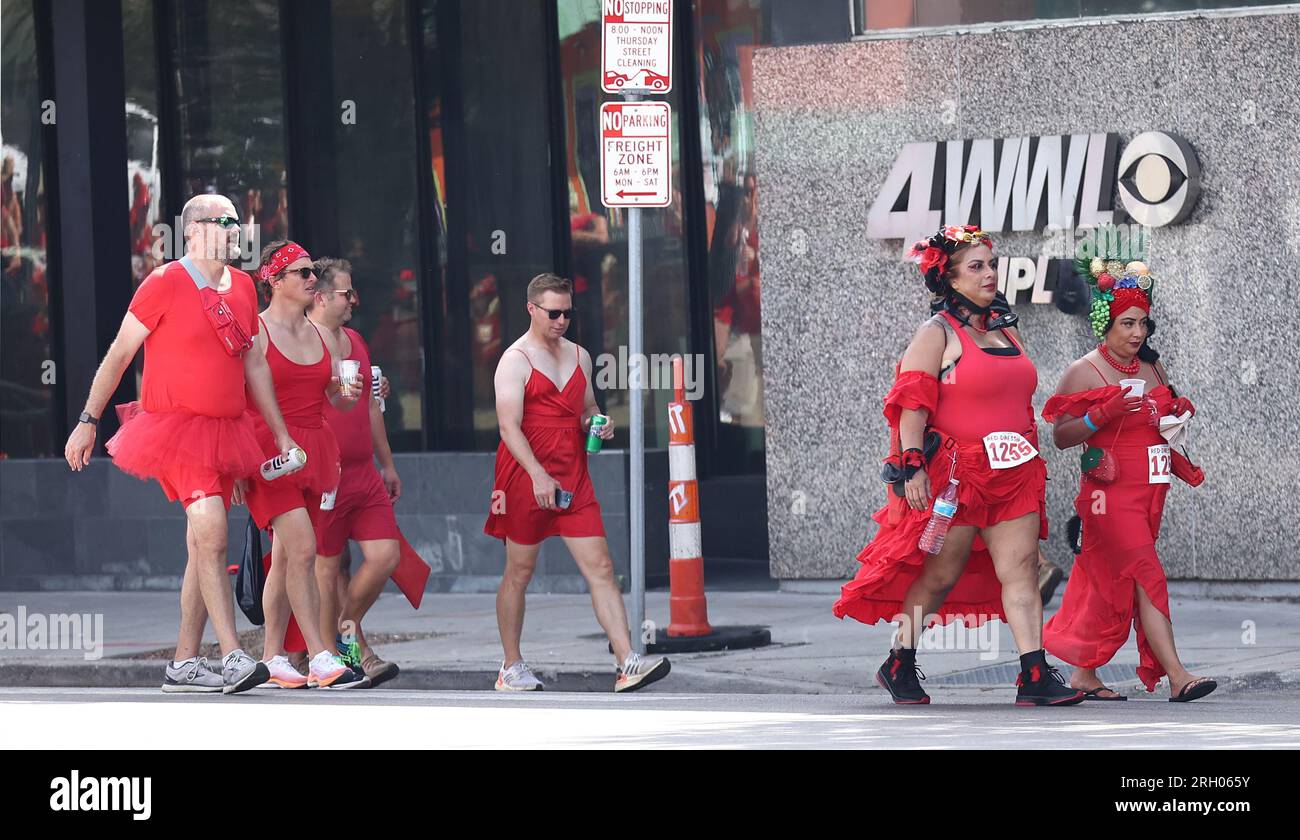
(300, 391)
(553, 426)
(1121, 521)
(984, 393)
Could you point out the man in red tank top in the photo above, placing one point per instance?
(362, 509)
(195, 318)
(542, 488)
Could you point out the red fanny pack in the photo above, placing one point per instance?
(233, 337)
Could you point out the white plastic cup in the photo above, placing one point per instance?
(1137, 387)
(349, 376)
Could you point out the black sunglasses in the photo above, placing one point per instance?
(304, 273)
(224, 221)
(555, 314)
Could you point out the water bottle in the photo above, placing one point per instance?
(945, 508)
(283, 464)
(375, 375)
(593, 440)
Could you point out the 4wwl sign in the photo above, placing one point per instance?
(635, 163)
(636, 45)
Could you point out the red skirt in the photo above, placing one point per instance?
(891, 562)
(150, 444)
(1121, 521)
(514, 514)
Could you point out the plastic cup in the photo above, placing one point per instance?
(349, 376)
(1137, 387)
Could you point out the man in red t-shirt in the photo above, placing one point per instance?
(362, 509)
(195, 318)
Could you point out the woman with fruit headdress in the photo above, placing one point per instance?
(961, 417)
(1117, 403)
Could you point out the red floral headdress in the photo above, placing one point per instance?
(932, 254)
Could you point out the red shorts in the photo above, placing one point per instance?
(362, 511)
(186, 483)
(269, 499)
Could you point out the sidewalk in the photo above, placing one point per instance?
(455, 645)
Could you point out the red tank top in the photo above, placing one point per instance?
(299, 389)
(984, 392)
(352, 428)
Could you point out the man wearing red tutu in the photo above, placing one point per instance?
(1115, 402)
(197, 320)
(303, 363)
(544, 425)
(960, 408)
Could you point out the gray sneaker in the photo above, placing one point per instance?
(193, 675)
(240, 672)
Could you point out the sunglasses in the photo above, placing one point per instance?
(223, 221)
(304, 273)
(350, 294)
(556, 314)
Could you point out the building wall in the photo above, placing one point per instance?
(839, 308)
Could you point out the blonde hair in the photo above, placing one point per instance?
(548, 282)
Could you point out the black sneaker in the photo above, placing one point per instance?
(901, 678)
(1042, 685)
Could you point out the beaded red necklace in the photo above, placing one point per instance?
(1130, 369)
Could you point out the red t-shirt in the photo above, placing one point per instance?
(352, 428)
(186, 367)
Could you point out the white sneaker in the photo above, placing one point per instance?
(638, 672)
(283, 675)
(518, 677)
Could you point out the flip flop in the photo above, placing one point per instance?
(1094, 695)
(1195, 690)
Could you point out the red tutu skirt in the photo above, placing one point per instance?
(892, 561)
(149, 444)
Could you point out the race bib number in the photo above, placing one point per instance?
(1158, 467)
(327, 499)
(1007, 450)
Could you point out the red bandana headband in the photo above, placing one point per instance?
(1128, 298)
(285, 254)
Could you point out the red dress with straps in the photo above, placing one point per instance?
(984, 393)
(1121, 521)
(553, 426)
(300, 391)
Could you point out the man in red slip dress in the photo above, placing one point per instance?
(196, 318)
(1118, 582)
(545, 403)
(304, 366)
(966, 383)
(363, 507)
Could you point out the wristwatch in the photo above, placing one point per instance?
(86, 418)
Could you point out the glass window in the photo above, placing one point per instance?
(374, 154)
(230, 109)
(889, 14)
(143, 164)
(27, 373)
(727, 33)
(598, 237)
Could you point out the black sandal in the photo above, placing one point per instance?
(1195, 690)
(1093, 695)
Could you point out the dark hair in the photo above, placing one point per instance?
(936, 281)
(327, 268)
(548, 282)
(1146, 352)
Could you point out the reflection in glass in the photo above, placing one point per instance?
(27, 421)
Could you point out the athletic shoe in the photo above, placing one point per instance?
(1039, 684)
(638, 672)
(518, 677)
(192, 675)
(378, 670)
(350, 654)
(283, 675)
(901, 678)
(328, 671)
(240, 672)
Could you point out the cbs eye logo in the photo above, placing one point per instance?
(1159, 179)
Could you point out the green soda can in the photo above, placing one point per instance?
(593, 440)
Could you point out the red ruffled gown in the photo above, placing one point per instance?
(988, 393)
(1121, 521)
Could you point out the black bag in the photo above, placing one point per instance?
(251, 579)
(898, 476)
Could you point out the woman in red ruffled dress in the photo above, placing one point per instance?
(1117, 580)
(964, 383)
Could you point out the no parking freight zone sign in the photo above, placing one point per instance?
(635, 154)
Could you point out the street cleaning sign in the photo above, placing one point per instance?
(635, 159)
(636, 45)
